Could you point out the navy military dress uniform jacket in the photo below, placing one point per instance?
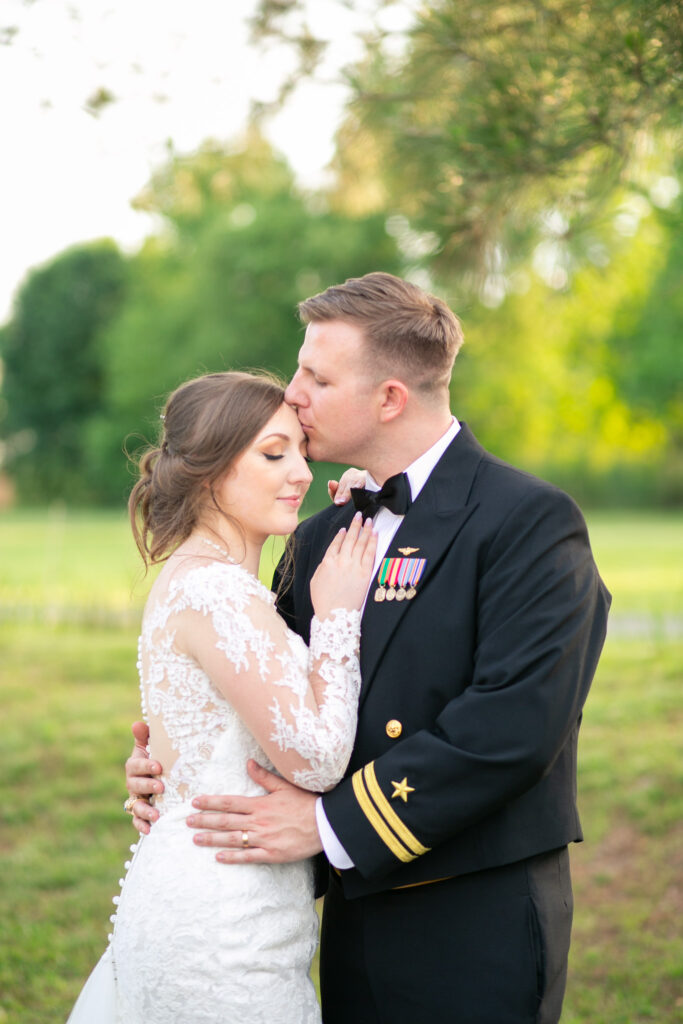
(472, 692)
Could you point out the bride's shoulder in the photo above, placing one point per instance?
(208, 582)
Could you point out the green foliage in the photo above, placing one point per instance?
(215, 289)
(528, 156)
(218, 289)
(538, 108)
(583, 384)
(488, 116)
(645, 352)
(53, 371)
(519, 159)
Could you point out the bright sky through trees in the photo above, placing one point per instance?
(71, 161)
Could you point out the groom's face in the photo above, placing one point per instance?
(333, 394)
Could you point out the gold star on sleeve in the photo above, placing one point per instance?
(402, 789)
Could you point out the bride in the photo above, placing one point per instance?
(223, 680)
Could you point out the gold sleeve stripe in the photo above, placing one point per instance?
(389, 814)
(377, 822)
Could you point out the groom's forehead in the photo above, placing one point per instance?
(334, 342)
(312, 353)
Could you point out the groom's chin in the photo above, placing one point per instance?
(314, 453)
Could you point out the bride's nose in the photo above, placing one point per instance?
(300, 472)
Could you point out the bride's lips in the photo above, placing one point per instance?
(294, 500)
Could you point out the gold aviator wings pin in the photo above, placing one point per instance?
(408, 551)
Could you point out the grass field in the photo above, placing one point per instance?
(76, 567)
(70, 595)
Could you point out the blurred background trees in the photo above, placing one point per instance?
(54, 376)
(499, 126)
(98, 340)
(521, 159)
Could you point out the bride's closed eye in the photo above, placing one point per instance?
(272, 458)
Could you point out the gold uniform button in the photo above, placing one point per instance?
(394, 729)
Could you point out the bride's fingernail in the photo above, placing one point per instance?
(190, 820)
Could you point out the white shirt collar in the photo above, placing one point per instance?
(418, 472)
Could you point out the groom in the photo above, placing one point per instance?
(449, 896)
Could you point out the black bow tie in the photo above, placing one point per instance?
(394, 495)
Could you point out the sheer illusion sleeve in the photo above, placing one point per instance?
(300, 705)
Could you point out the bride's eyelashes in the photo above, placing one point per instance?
(272, 458)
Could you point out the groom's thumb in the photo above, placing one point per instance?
(141, 735)
(265, 778)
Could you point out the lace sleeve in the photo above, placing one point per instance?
(301, 705)
(334, 674)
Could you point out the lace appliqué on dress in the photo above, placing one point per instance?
(322, 739)
(195, 940)
(192, 712)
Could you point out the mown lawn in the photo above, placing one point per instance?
(69, 693)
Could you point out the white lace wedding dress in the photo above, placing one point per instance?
(195, 941)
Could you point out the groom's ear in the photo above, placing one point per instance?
(393, 400)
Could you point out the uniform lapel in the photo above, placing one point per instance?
(431, 524)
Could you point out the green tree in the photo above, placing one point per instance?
(645, 350)
(53, 373)
(583, 384)
(495, 124)
(218, 287)
(527, 154)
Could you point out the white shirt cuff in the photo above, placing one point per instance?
(335, 852)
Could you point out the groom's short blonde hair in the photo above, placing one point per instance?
(409, 333)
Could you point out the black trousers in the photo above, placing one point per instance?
(485, 948)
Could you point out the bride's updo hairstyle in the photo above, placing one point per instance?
(206, 424)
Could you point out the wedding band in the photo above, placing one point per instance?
(129, 804)
(245, 840)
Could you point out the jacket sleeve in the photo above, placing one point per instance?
(541, 615)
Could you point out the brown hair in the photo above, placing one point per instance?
(207, 423)
(409, 333)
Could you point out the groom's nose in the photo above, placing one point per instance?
(294, 393)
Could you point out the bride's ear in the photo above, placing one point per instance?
(394, 397)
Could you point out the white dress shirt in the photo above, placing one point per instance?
(386, 524)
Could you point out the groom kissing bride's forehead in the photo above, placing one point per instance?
(448, 896)
(377, 357)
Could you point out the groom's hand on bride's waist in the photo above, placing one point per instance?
(275, 828)
(141, 779)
